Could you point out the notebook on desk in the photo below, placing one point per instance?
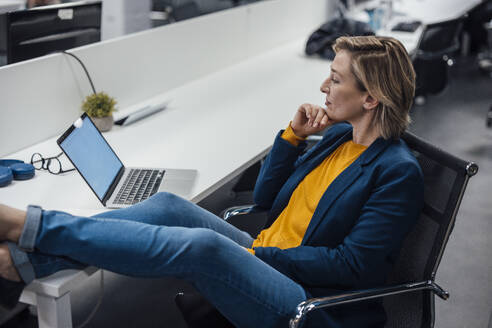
(115, 185)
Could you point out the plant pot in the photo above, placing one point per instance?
(103, 124)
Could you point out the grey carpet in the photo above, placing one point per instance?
(455, 121)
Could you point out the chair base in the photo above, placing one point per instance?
(200, 313)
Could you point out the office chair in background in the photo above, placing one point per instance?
(488, 120)
(438, 44)
(485, 61)
(409, 292)
(170, 11)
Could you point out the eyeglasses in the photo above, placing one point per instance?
(52, 164)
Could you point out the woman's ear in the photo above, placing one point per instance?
(370, 102)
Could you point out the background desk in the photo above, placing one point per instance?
(426, 11)
(219, 125)
(434, 11)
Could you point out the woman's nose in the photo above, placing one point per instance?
(325, 87)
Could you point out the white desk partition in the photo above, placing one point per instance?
(234, 79)
(41, 97)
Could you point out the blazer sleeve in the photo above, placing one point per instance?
(276, 169)
(283, 159)
(362, 258)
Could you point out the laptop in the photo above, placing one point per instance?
(115, 185)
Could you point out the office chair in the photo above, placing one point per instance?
(485, 60)
(488, 120)
(438, 43)
(176, 10)
(409, 292)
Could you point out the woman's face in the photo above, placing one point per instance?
(344, 99)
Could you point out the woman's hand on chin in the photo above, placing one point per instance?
(310, 119)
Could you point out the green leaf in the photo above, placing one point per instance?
(99, 105)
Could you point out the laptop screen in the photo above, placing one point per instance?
(91, 155)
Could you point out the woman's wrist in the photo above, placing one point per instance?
(291, 137)
(297, 133)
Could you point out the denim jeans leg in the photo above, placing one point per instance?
(22, 263)
(245, 289)
(30, 265)
(31, 228)
(163, 209)
(166, 209)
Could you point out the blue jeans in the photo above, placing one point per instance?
(165, 236)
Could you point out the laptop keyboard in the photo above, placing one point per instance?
(139, 185)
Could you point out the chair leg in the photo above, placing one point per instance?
(489, 117)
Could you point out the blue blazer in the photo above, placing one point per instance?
(355, 234)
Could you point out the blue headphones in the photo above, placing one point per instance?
(14, 169)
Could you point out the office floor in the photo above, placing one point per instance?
(453, 120)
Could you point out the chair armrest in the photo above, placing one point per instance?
(252, 208)
(314, 138)
(318, 303)
(242, 210)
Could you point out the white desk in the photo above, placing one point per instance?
(426, 11)
(219, 125)
(434, 11)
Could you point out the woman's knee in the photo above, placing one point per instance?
(204, 241)
(164, 197)
(167, 202)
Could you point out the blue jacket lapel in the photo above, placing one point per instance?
(305, 165)
(336, 188)
(342, 182)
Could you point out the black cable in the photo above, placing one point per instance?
(101, 287)
(83, 66)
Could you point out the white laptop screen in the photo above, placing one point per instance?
(92, 156)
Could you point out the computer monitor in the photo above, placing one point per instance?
(25, 34)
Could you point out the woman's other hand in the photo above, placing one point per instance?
(309, 119)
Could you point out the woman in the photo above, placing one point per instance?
(338, 213)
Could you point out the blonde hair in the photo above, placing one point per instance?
(382, 67)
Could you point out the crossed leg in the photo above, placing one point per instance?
(168, 236)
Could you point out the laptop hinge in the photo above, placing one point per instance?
(113, 185)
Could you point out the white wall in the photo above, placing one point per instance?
(41, 97)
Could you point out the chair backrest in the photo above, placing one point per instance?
(185, 11)
(437, 44)
(440, 39)
(445, 178)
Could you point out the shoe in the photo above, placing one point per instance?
(10, 292)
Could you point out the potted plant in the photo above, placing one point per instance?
(100, 107)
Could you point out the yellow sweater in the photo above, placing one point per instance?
(289, 228)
